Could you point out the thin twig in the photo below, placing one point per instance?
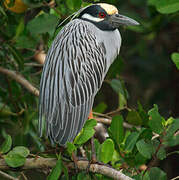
(7, 176)
(101, 115)
(33, 64)
(19, 78)
(23, 175)
(41, 163)
(175, 178)
(113, 112)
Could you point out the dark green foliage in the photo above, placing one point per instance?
(42, 24)
(175, 59)
(155, 173)
(6, 146)
(155, 121)
(107, 150)
(117, 129)
(86, 133)
(14, 160)
(17, 156)
(131, 141)
(144, 148)
(56, 171)
(145, 73)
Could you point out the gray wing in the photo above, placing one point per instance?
(73, 73)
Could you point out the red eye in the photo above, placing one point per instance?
(102, 15)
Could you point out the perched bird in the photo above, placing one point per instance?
(75, 67)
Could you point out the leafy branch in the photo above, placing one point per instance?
(40, 163)
(20, 79)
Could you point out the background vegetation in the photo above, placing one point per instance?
(145, 73)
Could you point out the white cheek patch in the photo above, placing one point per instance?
(92, 18)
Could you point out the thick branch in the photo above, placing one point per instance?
(39, 163)
(19, 78)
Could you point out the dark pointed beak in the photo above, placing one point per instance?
(118, 19)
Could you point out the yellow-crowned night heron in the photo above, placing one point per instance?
(75, 67)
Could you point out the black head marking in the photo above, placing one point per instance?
(93, 10)
(97, 11)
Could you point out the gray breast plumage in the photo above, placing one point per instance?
(74, 70)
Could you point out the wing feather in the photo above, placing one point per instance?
(70, 80)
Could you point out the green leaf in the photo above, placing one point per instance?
(21, 150)
(169, 121)
(42, 24)
(86, 133)
(118, 87)
(65, 171)
(17, 156)
(138, 177)
(56, 171)
(122, 101)
(175, 59)
(19, 28)
(73, 5)
(155, 120)
(24, 38)
(70, 148)
(172, 128)
(115, 158)
(5, 111)
(107, 150)
(146, 133)
(6, 146)
(115, 68)
(155, 173)
(154, 145)
(81, 176)
(139, 159)
(165, 6)
(134, 118)
(3, 12)
(14, 160)
(100, 108)
(117, 129)
(144, 148)
(97, 146)
(161, 154)
(172, 141)
(131, 141)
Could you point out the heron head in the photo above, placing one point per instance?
(105, 16)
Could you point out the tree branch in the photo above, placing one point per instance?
(40, 163)
(107, 121)
(19, 78)
(7, 176)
